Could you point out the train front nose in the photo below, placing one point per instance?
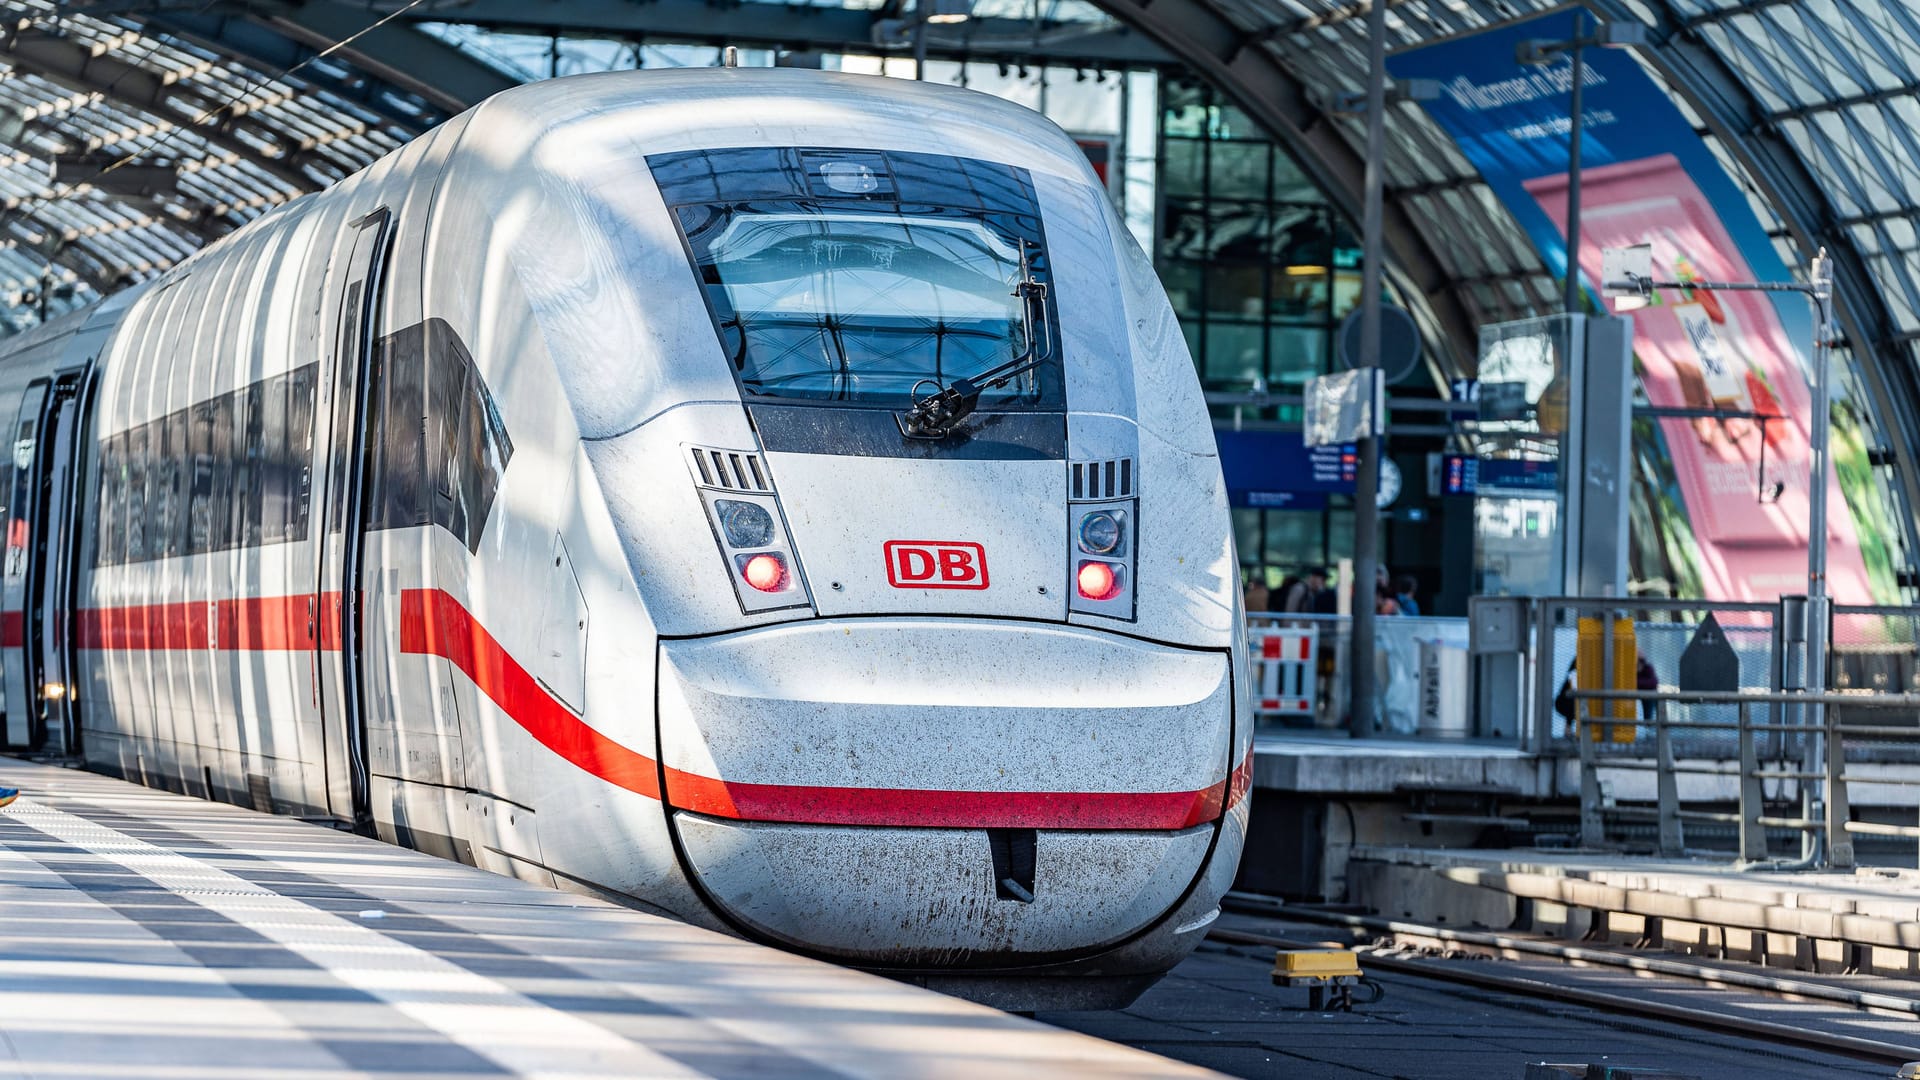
(906, 791)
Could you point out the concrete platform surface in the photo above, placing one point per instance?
(144, 934)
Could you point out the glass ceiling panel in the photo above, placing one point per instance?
(277, 137)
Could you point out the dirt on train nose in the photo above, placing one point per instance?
(857, 787)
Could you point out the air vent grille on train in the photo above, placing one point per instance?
(729, 470)
(1112, 479)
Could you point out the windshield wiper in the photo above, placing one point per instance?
(939, 414)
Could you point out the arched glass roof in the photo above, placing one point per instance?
(1811, 104)
(122, 150)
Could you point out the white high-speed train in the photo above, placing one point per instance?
(780, 499)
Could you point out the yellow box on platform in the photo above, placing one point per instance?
(1301, 964)
(1590, 655)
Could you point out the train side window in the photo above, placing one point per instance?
(202, 506)
(399, 474)
(136, 473)
(346, 372)
(446, 392)
(170, 510)
(270, 491)
(249, 448)
(298, 452)
(224, 518)
(468, 436)
(109, 534)
(485, 448)
(234, 471)
(20, 507)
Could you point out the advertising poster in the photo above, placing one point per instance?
(1722, 505)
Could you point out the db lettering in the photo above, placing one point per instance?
(936, 564)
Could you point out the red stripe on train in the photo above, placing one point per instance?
(433, 622)
(943, 809)
(255, 624)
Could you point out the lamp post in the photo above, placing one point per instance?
(1366, 510)
(1613, 35)
(1366, 515)
(1628, 273)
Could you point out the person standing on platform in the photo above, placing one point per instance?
(1403, 589)
(1325, 600)
(1301, 595)
(1384, 603)
(1257, 596)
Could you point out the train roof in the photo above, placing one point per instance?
(694, 108)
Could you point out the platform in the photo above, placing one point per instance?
(153, 935)
(1867, 921)
(1332, 764)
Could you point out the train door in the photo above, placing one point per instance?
(338, 656)
(21, 705)
(34, 589)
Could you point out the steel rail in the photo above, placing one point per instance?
(1851, 1045)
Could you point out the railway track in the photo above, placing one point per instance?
(1391, 935)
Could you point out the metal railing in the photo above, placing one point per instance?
(1662, 630)
(1819, 773)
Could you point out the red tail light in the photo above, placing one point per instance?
(1097, 581)
(765, 572)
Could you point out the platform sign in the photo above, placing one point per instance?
(1506, 474)
(1279, 500)
(1459, 474)
(1333, 467)
(1275, 470)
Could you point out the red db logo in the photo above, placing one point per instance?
(936, 564)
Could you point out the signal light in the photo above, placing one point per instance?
(765, 572)
(1097, 581)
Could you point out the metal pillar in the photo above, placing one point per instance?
(1753, 803)
(1366, 516)
(1573, 164)
(1819, 613)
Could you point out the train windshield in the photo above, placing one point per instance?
(864, 278)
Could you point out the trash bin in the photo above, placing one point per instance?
(1443, 691)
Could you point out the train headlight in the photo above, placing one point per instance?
(756, 552)
(1103, 538)
(746, 525)
(1103, 532)
(1097, 580)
